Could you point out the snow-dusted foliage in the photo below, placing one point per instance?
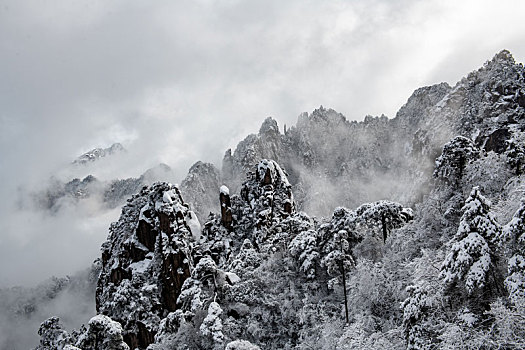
(102, 334)
(513, 234)
(241, 345)
(457, 153)
(304, 248)
(384, 214)
(52, 335)
(211, 326)
(472, 250)
(416, 310)
(269, 195)
(515, 282)
(516, 152)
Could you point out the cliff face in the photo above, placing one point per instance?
(199, 188)
(146, 260)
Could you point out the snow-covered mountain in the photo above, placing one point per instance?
(332, 161)
(98, 153)
(108, 194)
(386, 233)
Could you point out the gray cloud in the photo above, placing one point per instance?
(180, 81)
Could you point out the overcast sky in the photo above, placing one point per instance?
(179, 81)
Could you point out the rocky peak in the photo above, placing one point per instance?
(268, 193)
(492, 97)
(98, 153)
(116, 147)
(269, 127)
(421, 100)
(269, 143)
(227, 164)
(321, 117)
(161, 172)
(199, 188)
(146, 260)
(504, 57)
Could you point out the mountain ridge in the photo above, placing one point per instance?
(262, 272)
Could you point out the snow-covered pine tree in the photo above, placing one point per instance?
(384, 214)
(472, 261)
(513, 233)
(457, 153)
(52, 335)
(102, 333)
(416, 310)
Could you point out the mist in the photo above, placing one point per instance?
(177, 82)
(24, 309)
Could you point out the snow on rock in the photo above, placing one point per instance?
(232, 278)
(269, 194)
(225, 190)
(194, 225)
(146, 260)
(241, 345)
(102, 333)
(52, 335)
(98, 153)
(263, 271)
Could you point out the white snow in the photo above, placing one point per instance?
(194, 225)
(225, 190)
(232, 277)
(167, 197)
(212, 324)
(142, 217)
(140, 266)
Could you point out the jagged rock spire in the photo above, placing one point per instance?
(145, 261)
(268, 192)
(226, 211)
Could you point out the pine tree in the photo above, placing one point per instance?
(513, 233)
(384, 214)
(457, 153)
(471, 260)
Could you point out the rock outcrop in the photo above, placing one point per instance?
(146, 260)
(199, 188)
